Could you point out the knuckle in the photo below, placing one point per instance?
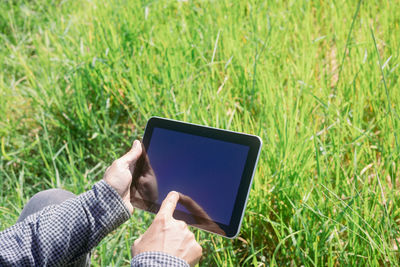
(161, 219)
(120, 163)
(116, 163)
(191, 235)
(198, 248)
(182, 224)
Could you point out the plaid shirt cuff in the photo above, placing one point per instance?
(157, 259)
(112, 210)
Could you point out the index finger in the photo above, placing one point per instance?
(169, 204)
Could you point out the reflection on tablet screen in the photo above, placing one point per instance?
(206, 172)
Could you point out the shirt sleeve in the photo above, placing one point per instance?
(157, 259)
(62, 233)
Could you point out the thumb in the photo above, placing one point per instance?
(169, 204)
(133, 154)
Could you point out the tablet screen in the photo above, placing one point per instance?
(207, 170)
(211, 169)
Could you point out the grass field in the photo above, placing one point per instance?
(317, 80)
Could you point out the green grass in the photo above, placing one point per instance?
(318, 81)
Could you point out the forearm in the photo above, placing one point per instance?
(59, 234)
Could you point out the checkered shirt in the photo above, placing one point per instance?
(61, 234)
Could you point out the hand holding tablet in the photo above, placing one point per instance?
(212, 169)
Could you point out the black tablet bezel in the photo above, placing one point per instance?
(252, 141)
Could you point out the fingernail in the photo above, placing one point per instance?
(174, 194)
(136, 143)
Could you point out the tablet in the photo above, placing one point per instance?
(212, 170)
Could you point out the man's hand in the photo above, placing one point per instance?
(168, 235)
(119, 174)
